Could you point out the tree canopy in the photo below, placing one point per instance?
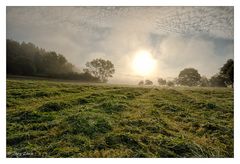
(141, 82)
(217, 81)
(148, 82)
(225, 76)
(227, 73)
(170, 83)
(162, 81)
(28, 60)
(101, 69)
(189, 77)
(204, 82)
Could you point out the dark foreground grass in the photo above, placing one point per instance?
(53, 119)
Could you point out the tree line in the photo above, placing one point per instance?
(26, 59)
(191, 77)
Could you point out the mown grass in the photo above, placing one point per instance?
(54, 119)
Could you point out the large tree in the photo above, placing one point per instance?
(227, 72)
(148, 82)
(141, 82)
(204, 82)
(225, 77)
(170, 83)
(189, 77)
(101, 69)
(162, 81)
(217, 81)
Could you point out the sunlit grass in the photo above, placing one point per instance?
(54, 119)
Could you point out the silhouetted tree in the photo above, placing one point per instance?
(227, 72)
(175, 81)
(189, 77)
(99, 68)
(225, 77)
(161, 81)
(141, 82)
(217, 81)
(148, 82)
(204, 82)
(170, 83)
(28, 60)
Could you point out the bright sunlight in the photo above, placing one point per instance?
(143, 63)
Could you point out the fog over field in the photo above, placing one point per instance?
(123, 82)
(175, 37)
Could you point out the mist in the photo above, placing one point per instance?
(176, 37)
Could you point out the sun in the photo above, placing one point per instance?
(143, 63)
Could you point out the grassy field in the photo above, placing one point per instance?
(55, 119)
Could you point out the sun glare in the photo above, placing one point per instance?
(143, 63)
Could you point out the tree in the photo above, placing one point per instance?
(189, 77)
(175, 81)
(170, 83)
(217, 81)
(161, 81)
(225, 77)
(28, 60)
(141, 82)
(99, 68)
(227, 72)
(148, 82)
(204, 82)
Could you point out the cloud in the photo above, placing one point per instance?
(178, 37)
(177, 53)
(213, 21)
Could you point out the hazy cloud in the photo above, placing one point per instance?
(178, 37)
(177, 52)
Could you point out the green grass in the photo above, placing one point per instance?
(55, 119)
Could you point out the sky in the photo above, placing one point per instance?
(175, 37)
